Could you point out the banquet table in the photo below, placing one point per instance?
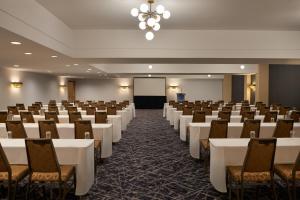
(115, 120)
(186, 119)
(79, 153)
(101, 132)
(201, 131)
(232, 152)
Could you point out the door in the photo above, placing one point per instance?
(71, 90)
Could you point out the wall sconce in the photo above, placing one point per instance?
(252, 86)
(124, 87)
(174, 87)
(62, 86)
(16, 84)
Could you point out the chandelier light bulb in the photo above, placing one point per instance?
(141, 17)
(166, 14)
(149, 35)
(144, 7)
(151, 22)
(160, 9)
(142, 25)
(156, 27)
(157, 18)
(134, 12)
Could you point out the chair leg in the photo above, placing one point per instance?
(14, 190)
(273, 189)
(294, 189)
(289, 190)
(242, 191)
(28, 190)
(9, 190)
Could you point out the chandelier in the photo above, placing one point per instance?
(149, 18)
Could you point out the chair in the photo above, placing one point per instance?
(247, 115)
(3, 116)
(72, 109)
(20, 106)
(39, 102)
(51, 116)
(258, 103)
(244, 108)
(17, 129)
(90, 110)
(34, 110)
(224, 115)
(250, 125)
(11, 174)
(214, 106)
(101, 107)
(180, 107)
(218, 129)
(197, 102)
(198, 117)
(270, 115)
(119, 106)
(207, 110)
(27, 117)
(13, 110)
(295, 115)
(74, 116)
(100, 117)
(283, 110)
(197, 107)
(53, 109)
(45, 168)
(227, 108)
(257, 168)
(111, 111)
(290, 173)
(37, 105)
(48, 125)
(187, 111)
(263, 110)
(283, 128)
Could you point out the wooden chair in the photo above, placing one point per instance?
(283, 110)
(247, 115)
(51, 116)
(198, 117)
(295, 115)
(207, 110)
(290, 173)
(180, 107)
(257, 168)
(3, 116)
(27, 117)
(13, 110)
(270, 115)
(187, 111)
(111, 111)
(214, 106)
(34, 110)
(198, 107)
(74, 116)
(263, 110)
(17, 129)
(91, 110)
(37, 105)
(20, 106)
(119, 106)
(283, 128)
(197, 102)
(72, 109)
(53, 109)
(45, 168)
(250, 125)
(227, 108)
(224, 115)
(48, 125)
(100, 117)
(11, 174)
(126, 102)
(244, 108)
(101, 107)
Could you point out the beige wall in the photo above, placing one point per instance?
(247, 90)
(227, 87)
(262, 84)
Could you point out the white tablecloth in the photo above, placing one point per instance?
(165, 109)
(225, 152)
(186, 119)
(79, 153)
(201, 131)
(101, 132)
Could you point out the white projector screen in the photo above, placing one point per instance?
(149, 87)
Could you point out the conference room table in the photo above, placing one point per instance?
(79, 153)
(101, 132)
(186, 119)
(232, 152)
(115, 120)
(201, 131)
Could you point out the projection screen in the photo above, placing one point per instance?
(149, 87)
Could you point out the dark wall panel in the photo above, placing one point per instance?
(149, 102)
(237, 88)
(284, 85)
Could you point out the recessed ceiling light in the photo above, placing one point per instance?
(242, 67)
(16, 43)
(49, 71)
(149, 75)
(54, 56)
(75, 64)
(68, 65)
(209, 75)
(150, 66)
(27, 53)
(16, 65)
(89, 69)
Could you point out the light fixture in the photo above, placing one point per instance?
(16, 65)
(62, 86)
(149, 75)
(150, 66)
(209, 75)
(75, 64)
(15, 43)
(68, 65)
(124, 87)
(53, 56)
(16, 84)
(89, 69)
(242, 66)
(149, 18)
(174, 87)
(27, 53)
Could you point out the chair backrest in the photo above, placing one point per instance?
(269, 115)
(260, 155)
(198, 116)
(13, 110)
(295, 115)
(39, 102)
(72, 109)
(214, 106)
(207, 110)
(119, 106)
(74, 116)
(101, 117)
(37, 105)
(218, 129)
(197, 102)
(41, 156)
(17, 129)
(90, 110)
(111, 110)
(227, 108)
(250, 125)
(4, 164)
(3, 116)
(247, 115)
(283, 128)
(224, 115)
(81, 127)
(48, 125)
(34, 110)
(100, 103)
(263, 110)
(101, 107)
(27, 117)
(126, 102)
(113, 102)
(244, 108)
(180, 107)
(53, 109)
(51, 116)
(187, 111)
(20, 106)
(258, 103)
(283, 110)
(296, 166)
(197, 107)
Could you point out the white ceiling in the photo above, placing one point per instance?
(185, 14)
